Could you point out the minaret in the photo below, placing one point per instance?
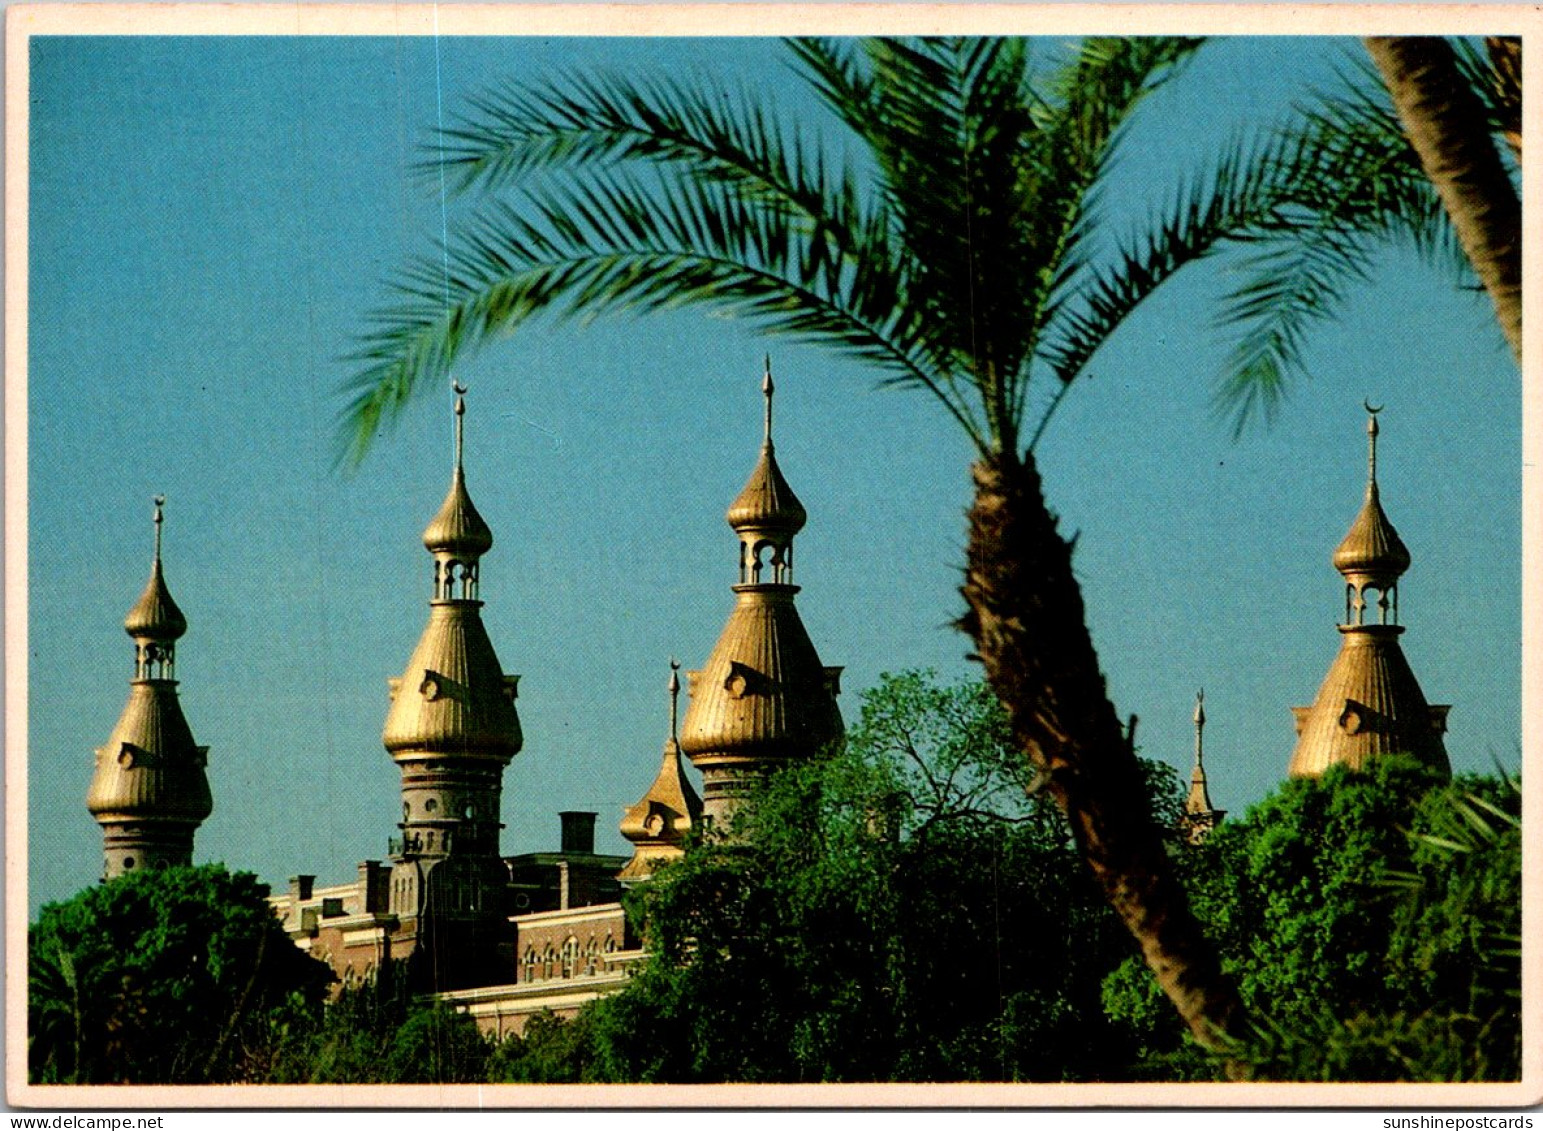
(452, 728)
(658, 824)
(1370, 702)
(1200, 816)
(149, 792)
(763, 698)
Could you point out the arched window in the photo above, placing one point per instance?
(530, 964)
(548, 961)
(570, 956)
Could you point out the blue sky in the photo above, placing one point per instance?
(212, 220)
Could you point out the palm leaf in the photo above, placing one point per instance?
(703, 132)
(1234, 197)
(615, 243)
(1347, 182)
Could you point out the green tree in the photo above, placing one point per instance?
(162, 976)
(1372, 922)
(943, 238)
(899, 910)
(551, 1050)
(379, 1032)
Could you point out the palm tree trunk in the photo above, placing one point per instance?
(1505, 59)
(1027, 619)
(1449, 131)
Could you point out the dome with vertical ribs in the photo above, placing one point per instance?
(155, 615)
(767, 502)
(458, 529)
(150, 767)
(1372, 548)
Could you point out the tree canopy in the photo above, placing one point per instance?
(162, 976)
(1372, 921)
(901, 909)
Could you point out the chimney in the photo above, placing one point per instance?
(578, 832)
(300, 887)
(373, 885)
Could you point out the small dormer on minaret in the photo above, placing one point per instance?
(1370, 703)
(763, 698)
(1200, 816)
(150, 791)
(659, 823)
(451, 729)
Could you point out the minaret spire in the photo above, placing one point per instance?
(674, 699)
(460, 420)
(1200, 816)
(150, 792)
(451, 729)
(160, 501)
(457, 537)
(1370, 702)
(1371, 445)
(1200, 730)
(763, 698)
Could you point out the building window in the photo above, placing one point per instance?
(530, 964)
(570, 956)
(128, 863)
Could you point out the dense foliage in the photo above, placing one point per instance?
(380, 1033)
(164, 976)
(908, 907)
(1372, 921)
(902, 909)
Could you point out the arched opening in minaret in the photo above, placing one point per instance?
(1383, 598)
(455, 580)
(766, 557)
(154, 660)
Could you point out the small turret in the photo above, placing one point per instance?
(659, 823)
(1200, 816)
(150, 792)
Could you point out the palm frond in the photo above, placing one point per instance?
(1498, 90)
(950, 144)
(1234, 197)
(1082, 118)
(1347, 182)
(704, 131)
(614, 243)
(834, 68)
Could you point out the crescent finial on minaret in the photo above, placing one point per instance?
(160, 501)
